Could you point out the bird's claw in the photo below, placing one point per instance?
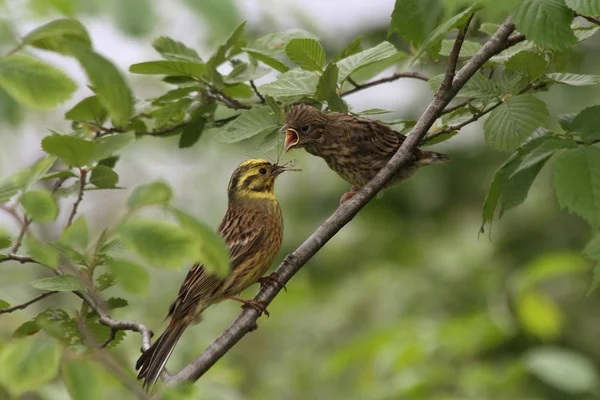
(258, 306)
(348, 195)
(271, 280)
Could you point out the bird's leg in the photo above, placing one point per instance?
(271, 280)
(348, 195)
(257, 305)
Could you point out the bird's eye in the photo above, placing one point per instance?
(305, 128)
(262, 171)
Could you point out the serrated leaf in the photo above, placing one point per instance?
(82, 380)
(73, 150)
(192, 131)
(34, 83)
(26, 329)
(40, 205)
(590, 8)
(530, 64)
(413, 19)
(51, 36)
(243, 72)
(352, 48)
(267, 59)
(173, 68)
(155, 193)
(595, 280)
(61, 283)
(574, 79)
(511, 82)
(108, 146)
(327, 89)
(161, 244)
(541, 150)
(587, 124)
(105, 281)
(350, 65)
(306, 53)
(59, 174)
(104, 177)
(42, 252)
(577, 182)
(230, 48)
(489, 28)
(109, 85)
(468, 48)
(171, 49)
(566, 121)
(479, 87)
(433, 41)
(213, 253)
(373, 111)
(273, 44)
(510, 124)
(76, 234)
(592, 249)
(250, 123)
(295, 83)
(32, 364)
(88, 109)
(116, 302)
(583, 33)
(132, 277)
(545, 22)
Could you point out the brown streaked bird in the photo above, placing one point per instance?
(355, 148)
(253, 229)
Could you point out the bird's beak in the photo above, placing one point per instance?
(289, 166)
(291, 138)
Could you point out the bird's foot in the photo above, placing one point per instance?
(347, 196)
(271, 280)
(257, 305)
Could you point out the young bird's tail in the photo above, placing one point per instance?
(427, 157)
(152, 362)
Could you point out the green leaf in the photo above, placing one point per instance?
(566, 121)
(155, 193)
(541, 149)
(161, 244)
(73, 150)
(132, 277)
(82, 379)
(545, 22)
(563, 369)
(61, 283)
(104, 177)
(307, 53)
(488, 28)
(590, 8)
(539, 315)
(574, 79)
(441, 138)
(586, 124)
(105, 281)
(511, 82)
(273, 44)
(173, 68)
(250, 123)
(586, 32)
(59, 174)
(109, 85)
(510, 124)
(244, 72)
(592, 249)
(577, 182)
(8, 189)
(479, 87)
(595, 281)
(108, 146)
(4, 304)
(43, 253)
(171, 49)
(76, 234)
(40, 205)
(355, 62)
(33, 363)
(52, 36)
(230, 48)
(295, 83)
(5, 240)
(192, 131)
(327, 89)
(116, 302)
(434, 39)
(33, 82)
(213, 253)
(353, 48)
(135, 17)
(531, 64)
(267, 59)
(88, 109)
(468, 48)
(409, 19)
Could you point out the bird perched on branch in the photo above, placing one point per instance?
(253, 230)
(355, 148)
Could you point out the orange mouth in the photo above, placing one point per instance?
(291, 139)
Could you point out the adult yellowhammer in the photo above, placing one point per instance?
(253, 230)
(355, 148)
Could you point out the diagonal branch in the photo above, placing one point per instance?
(82, 176)
(391, 78)
(26, 304)
(453, 58)
(246, 321)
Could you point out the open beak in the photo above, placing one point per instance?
(289, 166)
(291, 138)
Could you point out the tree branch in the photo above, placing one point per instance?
(591, 19)
(453, 58)
(260, 96)
(82, 176)
(229, 102)
(394, 77)
(246, 321)
(26, 304)
(16, 257)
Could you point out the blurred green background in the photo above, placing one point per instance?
(407, 302)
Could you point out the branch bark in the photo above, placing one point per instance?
(246, 321)
(391, 78)
(26, 304)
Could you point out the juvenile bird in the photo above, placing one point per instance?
(355, 148)
(253, 230)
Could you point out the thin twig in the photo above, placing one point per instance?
(19, 240)
(229, 102)
(591, 19)
(448, 110)
(16, 257)
(353, 82)
(224, 121)
(246, 321)
(260, 96)
(453, 58)
(13, 213)
(26, 304)
(113, 335)
(82, 176)
(391, 78)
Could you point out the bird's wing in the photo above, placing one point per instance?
(200, 284)
(376, 137)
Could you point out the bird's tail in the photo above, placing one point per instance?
(431, 157)
(153, 360)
